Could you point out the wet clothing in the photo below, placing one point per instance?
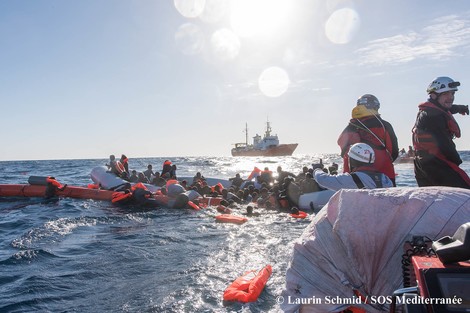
(437, 160)
(158, 181)
(231, 196)
(309, 185)
(266, 176)
(368, 180)
(290, 191)
(113, 168)
(282, 175)
(125, 163)
(236, 181)
(368, 127)
(167, 171)
(148, 173)
(134, 178)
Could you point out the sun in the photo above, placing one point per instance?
(251, 18)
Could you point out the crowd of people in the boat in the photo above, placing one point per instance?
(121, 168)
(261, 189)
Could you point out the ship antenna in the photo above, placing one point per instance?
(268, 128)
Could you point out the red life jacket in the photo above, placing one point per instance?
(424, 140)
(383, 158)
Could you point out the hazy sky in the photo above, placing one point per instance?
(154, 78)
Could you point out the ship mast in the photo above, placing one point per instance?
(246, 133)
(268, 129)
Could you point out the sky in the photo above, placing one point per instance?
(155, 78)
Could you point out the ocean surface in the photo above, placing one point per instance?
(72, 255)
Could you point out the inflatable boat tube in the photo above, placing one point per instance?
(229, 218)
(192, 194)
(40, 191)
(315, 200)
(248, 287)
(101, 176)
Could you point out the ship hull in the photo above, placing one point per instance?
(281, 150)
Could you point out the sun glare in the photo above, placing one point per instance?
(342, 25)
(189, 39)
(258, 17)
(273, 82)
(190, 8)
(225, 44)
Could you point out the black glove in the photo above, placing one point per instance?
(317, 165)
(460, 108)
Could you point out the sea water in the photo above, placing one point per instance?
(73, 255)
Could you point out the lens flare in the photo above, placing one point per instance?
(225, 44)
(273, 82)
(342, 26)
(190, 8)
(189, 39)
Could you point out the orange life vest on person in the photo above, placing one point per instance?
(53, 181)
(139, 185)
(119, 167)
(121, 197)
(221, 187)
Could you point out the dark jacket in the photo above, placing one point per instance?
(434, 131)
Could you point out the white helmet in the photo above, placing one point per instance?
(442, 84)
(362, 152)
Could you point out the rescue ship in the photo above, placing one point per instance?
(266, 146)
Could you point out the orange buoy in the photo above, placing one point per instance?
(301, 214)
(229, 218)
(249, 286)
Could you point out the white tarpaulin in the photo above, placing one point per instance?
(356, 242)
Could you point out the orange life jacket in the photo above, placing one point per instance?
(229, 218)
(301, 214)
(249, 286)
(120, 197)
(119, 167)
(53, 181)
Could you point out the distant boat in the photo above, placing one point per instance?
(404, 158)
(266, 146)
